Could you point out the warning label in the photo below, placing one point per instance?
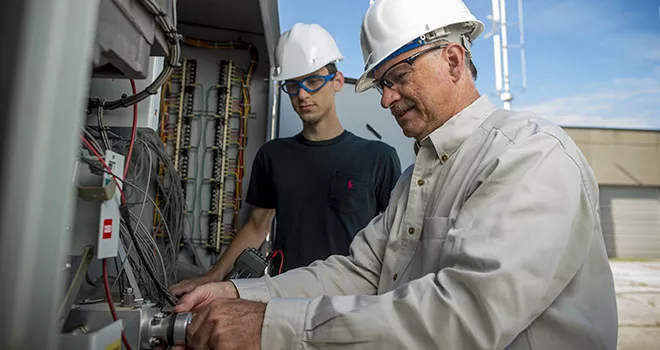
(107, 229)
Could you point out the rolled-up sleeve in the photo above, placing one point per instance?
(518, 241)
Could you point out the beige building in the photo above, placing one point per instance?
(627, 166)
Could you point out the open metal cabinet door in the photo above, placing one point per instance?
(271, 21)
(49, 56)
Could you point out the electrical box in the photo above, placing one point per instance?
(97, 212)
(127, 36)
(148, 109)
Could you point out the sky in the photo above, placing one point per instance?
(592, 63)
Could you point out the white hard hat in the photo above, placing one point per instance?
(304, 49)
(392, 27)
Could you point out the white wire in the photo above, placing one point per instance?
(152, 202)
(123, 263)
(169, 235)
(144, 202)
(153, 242)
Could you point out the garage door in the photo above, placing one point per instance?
(630, 218)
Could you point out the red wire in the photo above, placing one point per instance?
(108, 296)
(275, 253)
(133, 131)
(91, 148)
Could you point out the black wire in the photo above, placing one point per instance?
(89, 280)
(126, 216)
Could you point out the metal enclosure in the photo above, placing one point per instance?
(40, 136)
(126, 37)
(56, 50)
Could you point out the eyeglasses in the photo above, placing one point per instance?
(398, 78)
(310, 84)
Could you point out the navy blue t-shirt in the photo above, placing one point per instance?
(323, 192)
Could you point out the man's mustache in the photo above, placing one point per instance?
(400, 108)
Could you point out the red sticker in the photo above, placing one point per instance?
(107, 228)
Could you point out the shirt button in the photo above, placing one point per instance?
(420, 182)
(444, 157)
(411, 230)
(395, 277)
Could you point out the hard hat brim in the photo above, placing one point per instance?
(365, 82)
(287, 75)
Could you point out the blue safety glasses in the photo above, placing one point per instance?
(310, 84)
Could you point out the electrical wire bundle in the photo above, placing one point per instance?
(154, 269)
(162, 241)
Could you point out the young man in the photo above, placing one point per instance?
(322, 185)
(492, 240)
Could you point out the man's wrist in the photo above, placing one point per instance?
(219, 271)
(230, 290)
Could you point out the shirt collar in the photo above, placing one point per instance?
(449, 137)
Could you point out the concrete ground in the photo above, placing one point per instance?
(637, 285)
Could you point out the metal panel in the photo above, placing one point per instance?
(270, 17)
(242, 16)
(127, 35)
(208, 61)
(37, 188)
(113, 89)
(96, 316)
(108, 337)
(630, 217)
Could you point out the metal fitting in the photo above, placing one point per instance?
(128, 299)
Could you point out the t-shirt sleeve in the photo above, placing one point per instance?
(389, 175)
(261, 192)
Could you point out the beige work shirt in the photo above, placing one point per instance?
(492, 240)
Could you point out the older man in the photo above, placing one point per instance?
(492, 238)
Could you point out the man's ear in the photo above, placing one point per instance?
(455, 56)
(338, 81)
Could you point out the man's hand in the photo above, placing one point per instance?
(186, 286)
(200, 302)
(205, 294)
(227, 324)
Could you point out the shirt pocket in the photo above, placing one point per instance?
(434, 243)
(349, 193)
(435, 228)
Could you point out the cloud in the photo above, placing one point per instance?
(621, 103)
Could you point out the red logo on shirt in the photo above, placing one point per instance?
(350, 184)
